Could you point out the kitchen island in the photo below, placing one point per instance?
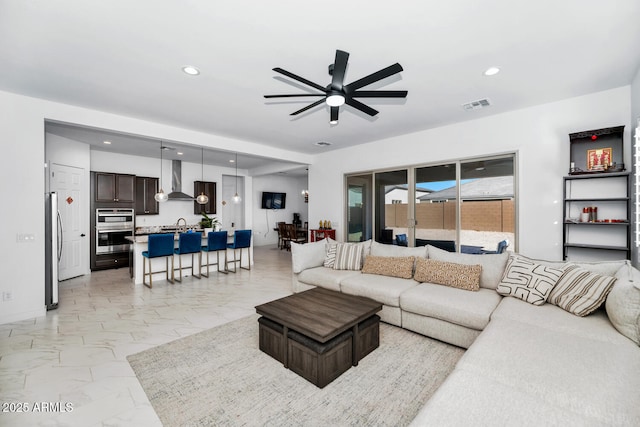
(139, 243)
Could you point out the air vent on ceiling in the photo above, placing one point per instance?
(476, 105)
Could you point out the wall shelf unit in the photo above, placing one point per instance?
(609, 235)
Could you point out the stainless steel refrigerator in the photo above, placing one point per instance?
(53, 250)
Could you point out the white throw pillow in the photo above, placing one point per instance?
(623, 303)
(307, 256)
(580, 291)
(528, 280)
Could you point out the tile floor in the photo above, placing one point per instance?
(76, 355)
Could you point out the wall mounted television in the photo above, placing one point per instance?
(272, 200)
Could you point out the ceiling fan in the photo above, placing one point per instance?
(337, 93)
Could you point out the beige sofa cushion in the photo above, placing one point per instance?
(469, 309)
(623, 303)
(461, 276)
(581, 375)
(595, 326)
(492, 264)
(401, 267)
(383, 289)
(325, 277)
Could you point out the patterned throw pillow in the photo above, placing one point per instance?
(462, 276)
(330, 258)
(580, 291)
(528, 280)
(348, 256)
(389, 266)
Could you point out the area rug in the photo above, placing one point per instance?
(219, 377)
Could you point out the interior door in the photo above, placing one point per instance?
(68, 182)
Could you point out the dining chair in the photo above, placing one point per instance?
(292, 233)
(158, 246)
(216, 242)
(188, 243)
(286, 238)
(281, 234)
(241, 240)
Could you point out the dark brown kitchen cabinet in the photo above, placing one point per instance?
(113, 187)
(208, 188)
(146, 189)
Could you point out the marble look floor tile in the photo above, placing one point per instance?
(77, 353)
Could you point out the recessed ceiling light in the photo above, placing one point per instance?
(179, 153)
(191, 70)
(491, 71)
(107, 142)
(323, 143)
(232, 161)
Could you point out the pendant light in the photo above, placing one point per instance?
(236, 197)
(160, 196)
(202, 198)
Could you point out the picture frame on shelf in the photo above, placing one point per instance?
(599, 159)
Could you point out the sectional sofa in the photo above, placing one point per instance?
(548, 343)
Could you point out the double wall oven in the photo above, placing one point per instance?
(113, 225)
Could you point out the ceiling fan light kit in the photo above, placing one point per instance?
(337, 93)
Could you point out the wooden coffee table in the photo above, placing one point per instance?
(319, 333)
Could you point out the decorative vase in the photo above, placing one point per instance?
(207, 231)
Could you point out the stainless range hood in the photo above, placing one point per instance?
(176, 183)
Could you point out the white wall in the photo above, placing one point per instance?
(22, 134)
(538, 134)
(264, 220)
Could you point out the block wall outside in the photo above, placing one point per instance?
(481, 215)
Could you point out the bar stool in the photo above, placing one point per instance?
(159, 245)
(188, 243)
(216, 242)
(241, 240)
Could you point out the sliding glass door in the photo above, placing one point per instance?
(392, 197)
(436, 207)
(487, 214)
(464, 206)
(359, 208)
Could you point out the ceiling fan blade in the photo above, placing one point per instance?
(300, 79)
(302, 110)
(380, 93)
(295, 95)
(334, 114)
(374, 77)
(339, 68)
(360, 106)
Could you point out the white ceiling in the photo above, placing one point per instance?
(126, 56)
